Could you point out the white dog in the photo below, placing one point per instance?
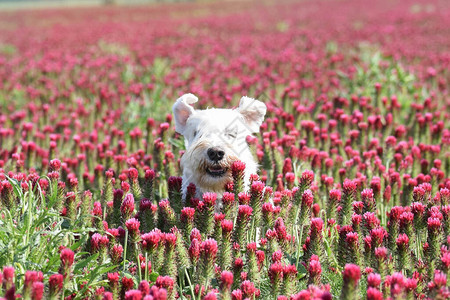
(214, 139)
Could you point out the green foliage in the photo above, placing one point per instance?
(30, 240)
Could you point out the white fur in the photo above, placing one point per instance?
(226, 129)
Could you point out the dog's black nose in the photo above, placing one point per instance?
(215, 154)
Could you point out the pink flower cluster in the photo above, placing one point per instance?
(353, 187)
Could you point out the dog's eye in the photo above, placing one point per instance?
(231, 135)
(195, 133)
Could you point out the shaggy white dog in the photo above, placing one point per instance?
(214, 139)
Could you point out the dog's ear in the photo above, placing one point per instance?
(253, 111)
(182, 110)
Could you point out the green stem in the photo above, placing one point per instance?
(297, 211)
(146, 266)
(383, 223)
(330, 253)
(139, 265)
(189, 280)
(251, 230)
(299, 246)
(418, 244)
(125, 250)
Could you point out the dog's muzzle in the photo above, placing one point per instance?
(216, 170)
(215, 155)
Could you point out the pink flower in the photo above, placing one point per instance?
(37, 291)
(275, 272)
(445, 258)
(307, 178)
(116, 252)
(307, 198)
(398, 282)
(367, 196)
(127, 207)
(377, 235)
(98, 242)
(236, 295)
(257, 187)
(374, 294)
(226, 279)
(170, 239)
(127, 283)
(67, 257)
(133, 225)
(218, 217)
(227, 226)
(289, 270)
(374, 280)
(228, 198)
(434, 224)
(440, 279)
(351, 273)
(165, 282)
(395, 213)
(349, 186)
(8, 275)
(194, 250)
(280, 229)
(133, 295)
(209, 248)
(237, 169)
(277, 256)
(174, 183)
(245, 211)
(210, 296)
(381, 252)
(144, 287)
(314, 268)
(187, 214)
(402, 240)
(113, 277)
(351, 238)
(290, 178)
(248, 289)
(151, 240)
(55, 165)
(149, 174)
(244, 198)
(316, 224)
(411, 284)
(55, 283)
(335, 195)
(133, 174)
(195, 234)
(210, 199)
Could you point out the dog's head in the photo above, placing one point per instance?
(215, 138)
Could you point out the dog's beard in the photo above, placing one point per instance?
(209, 175)
(213, 176)
(214, 169)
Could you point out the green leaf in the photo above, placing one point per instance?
(301, 271)
(177, 143)
(79, 243)
(85, 262)
(94, 274)
(153, 276)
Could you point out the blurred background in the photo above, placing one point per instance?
(30, 4)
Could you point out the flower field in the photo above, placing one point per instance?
(352, 197)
